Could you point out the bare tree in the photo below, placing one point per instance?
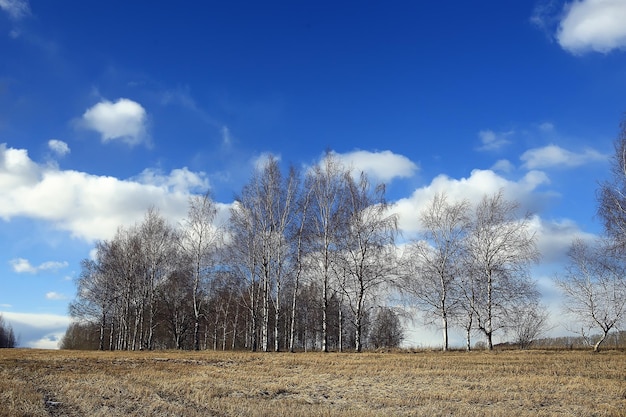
(158, 244)
(594, 287)
(200, 240)
(367, 248)
(612, 194)
(7, 337)
(326, 224)
(386, 329)
(527, 323)
(435, 263)
(501, 249)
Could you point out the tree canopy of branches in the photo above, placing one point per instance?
(304, 262)
(436, 262)
(594, 287)
(500, 250)
(594, 283)
(471, 265)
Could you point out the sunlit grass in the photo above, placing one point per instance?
(535, 383)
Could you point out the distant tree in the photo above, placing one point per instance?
(7, 337)
(386, 330)
(159, 256)
(612, 194)
(501, 249)
(366, 257)
(435, 263)
(325, 227)
(199, 240)
(527, 323)
(81, 336)
(594, 288)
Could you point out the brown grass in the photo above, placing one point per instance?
(510, 383)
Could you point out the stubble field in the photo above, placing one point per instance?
(507, 383)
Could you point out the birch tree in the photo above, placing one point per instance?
(158, 244)
(367, 247)
(594, 288)
(436, 261)
(200, 240)
(326, 181)
(501, 249)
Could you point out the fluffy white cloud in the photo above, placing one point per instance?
(503, 165)
(59, 147)
(494, 140)
(88, 206)
(555, 237)
(15, 8)
(16, 168)
(40, 331)
(472, 189)
(179, 180)
(21, 265)
(552, 155)
(55, 296)
(124, 120)
(593, 25)
(382, 166)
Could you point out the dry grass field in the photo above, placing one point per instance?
(507, 383)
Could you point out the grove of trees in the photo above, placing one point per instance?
(7, 337)
(311, 261)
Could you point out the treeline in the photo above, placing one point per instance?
(7, 337)
(312, 262)
(302, 264)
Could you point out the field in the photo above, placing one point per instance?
(505, 383)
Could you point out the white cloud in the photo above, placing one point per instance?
(41, 331)
(178, 180)
(494, 140)
(383, 166)
(555, 237)
(124, 120)
(472, 189)
(16, 168)
(21, 266)
(88, 206)
(593, 25)
(55, 296)
(503, 165)
(260, 161)
(553, 155)
(59, 147)
(16, 9)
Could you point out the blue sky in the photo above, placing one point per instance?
(107, 108)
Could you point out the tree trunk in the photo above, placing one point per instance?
(596, 346)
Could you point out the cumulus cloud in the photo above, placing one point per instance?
(553, 156)
(554, 238)
(58, 147)
(125, 120)
(40, 331)
(90, 207)
(494, 140)
(180, 180)
(503, 165)
(16, 9)
(472, 189)
(21, 266)
(383, 166)
(55, 296)
(593, 25)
